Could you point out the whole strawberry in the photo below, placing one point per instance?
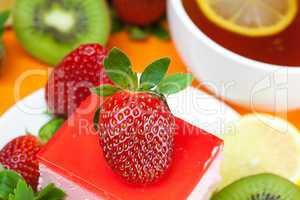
(69, 83)
(135, 123)
(140, 12)
(19, 155)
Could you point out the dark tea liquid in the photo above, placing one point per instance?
(280, 49)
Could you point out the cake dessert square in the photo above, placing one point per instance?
(74, 161)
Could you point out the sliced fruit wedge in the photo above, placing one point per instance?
(261, 144)
(58, 27)
(251, 17)
(260, 187)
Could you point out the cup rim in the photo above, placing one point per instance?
(178, 7)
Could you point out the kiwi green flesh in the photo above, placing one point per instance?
(260, 187)
(50, 29)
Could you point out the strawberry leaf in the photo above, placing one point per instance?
(134, 80)
(160, 32)
(50, 193)
(49, 129)
(174, 83)
(96, 119)
(8, 182)
(138, 33)
(116, 24)
(105, 90)
(3, 17)
(22, 192)
(118, 68)
(154, 73)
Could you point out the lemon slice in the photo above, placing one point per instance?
(259, 144)
(251, 17)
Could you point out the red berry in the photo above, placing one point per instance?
(137, 131)
(69, 84)
(19, 155)
(140, 12)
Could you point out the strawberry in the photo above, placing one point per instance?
(19, 155)
(139, 141)
(69, 83)
(140, 12)
(135, 124)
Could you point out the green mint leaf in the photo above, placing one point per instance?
(154, 73)
(22, 192)
(50, 193)
(138, 33)
(49, 129)
(8, 182)
(174, 83)
(105, 90)
(118, 68)
(96, 119)
(160, 32)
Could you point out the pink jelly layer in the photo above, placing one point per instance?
(75, 154)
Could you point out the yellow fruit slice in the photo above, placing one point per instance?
(251, 17)
(261, 143)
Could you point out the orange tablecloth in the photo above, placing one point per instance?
(18, 65)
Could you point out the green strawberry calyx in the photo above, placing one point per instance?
(154, 80)
(14, 187)
(48, 130)
(138, 33)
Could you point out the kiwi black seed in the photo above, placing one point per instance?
(260, 187)
(49, 29)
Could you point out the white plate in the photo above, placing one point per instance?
(192, 105)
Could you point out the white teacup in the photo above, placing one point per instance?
(246, 82)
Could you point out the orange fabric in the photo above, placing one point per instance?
(18, 64)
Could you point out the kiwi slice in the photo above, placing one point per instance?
(49, 29)
(260, 187)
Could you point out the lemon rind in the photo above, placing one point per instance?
(251, 32)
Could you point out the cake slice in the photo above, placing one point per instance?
(73, 161)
